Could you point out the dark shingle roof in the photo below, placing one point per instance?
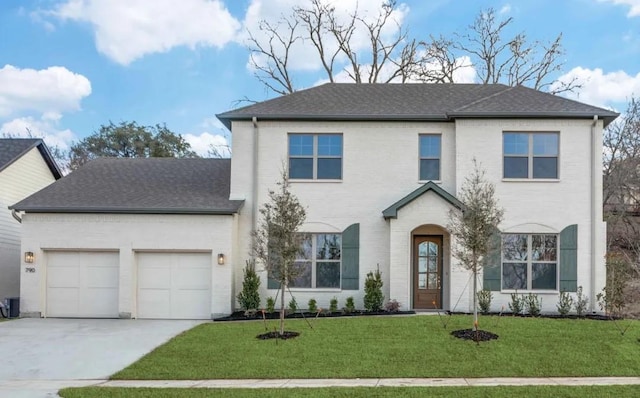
(11, 149)
(438, 102)
(143, 185)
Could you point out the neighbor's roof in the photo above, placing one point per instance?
(433, 102)
(12, 149)
(142, 185)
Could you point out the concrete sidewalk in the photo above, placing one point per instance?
(14, 387)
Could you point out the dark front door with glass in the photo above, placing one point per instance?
(427, 272)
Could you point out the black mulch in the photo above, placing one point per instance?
(241, 316)
(277, 335)
(470, 334)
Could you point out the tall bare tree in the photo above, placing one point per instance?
(276, 241)
(474, 227)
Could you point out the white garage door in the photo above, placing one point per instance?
(82, 284)
(174, 285)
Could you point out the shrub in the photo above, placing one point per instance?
(373, 297)
(484, 300)
(271, 305)
(581, 302)
(611, 299)
(293, 305)
(349, 306)
(392, 306)
(313, 305)
(565, 303)
(516, 303)
(532, 303)
(333, 305)
(249, 297)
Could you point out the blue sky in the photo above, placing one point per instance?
(68, 66)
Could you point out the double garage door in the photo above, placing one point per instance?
(169, 285)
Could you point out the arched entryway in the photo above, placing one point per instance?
(430, 267)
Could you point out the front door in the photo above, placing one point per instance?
(427, 272)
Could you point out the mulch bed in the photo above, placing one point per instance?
(276, 335)
(241, 316)
(470, 334)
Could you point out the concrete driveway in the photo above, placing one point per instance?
(34, 351)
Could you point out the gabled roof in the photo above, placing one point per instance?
(12, 149)
(142, 185)
(417, 101)
(392, 211)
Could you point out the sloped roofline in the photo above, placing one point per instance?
(44, 152)
(392, 211)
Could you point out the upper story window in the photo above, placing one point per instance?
(430, 157)
(529, 262)
(319, 261)
(315, 156)
(530, 155)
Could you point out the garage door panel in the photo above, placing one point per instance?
(174, 285)
(82, 284)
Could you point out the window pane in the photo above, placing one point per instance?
(516, 144)
(422, 281)
(430, 169)
(545, 167)
(300, 145)
(429, 146)
(422, 264)
(432, 281)
(301, 168)
(329, 145)
(303, 269)
(550, 248)
(545, 144)
(328, 246)
(516, 167)
(543, 247)
(543, 276)
(329, 169)
(514, 276)
(433, 264)
(305, 247)
(422, 248)
(514, 247)
(328, 274)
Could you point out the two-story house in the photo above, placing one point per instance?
(378, 168)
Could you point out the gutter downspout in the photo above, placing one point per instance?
(15, 215)
(254, 188)
(592, 301)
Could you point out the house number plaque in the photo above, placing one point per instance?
(30, 270)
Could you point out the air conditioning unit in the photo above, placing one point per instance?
(11, 307)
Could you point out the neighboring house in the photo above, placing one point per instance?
(378, 167)
(26, 166)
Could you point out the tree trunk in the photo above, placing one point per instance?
(475, 298)
(282, 309)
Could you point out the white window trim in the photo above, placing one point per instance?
(530, 157)
(529, 263)
(314, 157)
(439, 180)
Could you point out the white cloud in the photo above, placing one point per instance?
(41, 128)
(505, 9)
(50, 91)
(602, 89)
(203, 143)
(126, 30)
(634, 6)
(303, 55)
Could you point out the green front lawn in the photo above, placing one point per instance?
(416, 346)
(463, 392)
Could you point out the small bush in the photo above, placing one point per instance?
(532, 303)
(516, 305)
(349, 306)
(333, 305)
(581, 302)
(484, 300)
(313, 305)
(565, 303)
(293, 305)
(271, 305)
(392, 306)
(373, 297)
(249, 297)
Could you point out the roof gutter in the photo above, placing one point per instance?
(254, 183)
(15, 215)
(594, 224)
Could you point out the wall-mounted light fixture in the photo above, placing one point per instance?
(29, 257)
(221, 259)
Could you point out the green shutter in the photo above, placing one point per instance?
(351, 257)
(569, 259)
(492, 263)
(272, 283)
